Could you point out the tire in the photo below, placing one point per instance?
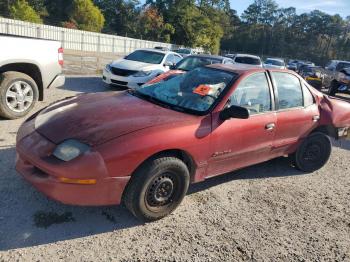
(18, 94)
(157, 188)
(333, 89)
(313, 153)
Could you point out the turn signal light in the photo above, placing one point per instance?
(77, 181)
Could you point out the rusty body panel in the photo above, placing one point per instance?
(124, 131)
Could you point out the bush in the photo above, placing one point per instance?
(21, 10)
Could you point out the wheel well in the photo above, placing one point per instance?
(328, 130)
(29, 69)
(180, 154)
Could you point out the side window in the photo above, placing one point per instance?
(170, 59)
(253, 93)
(289, 90)
(308, 97)
(228, 61)
(177, 58)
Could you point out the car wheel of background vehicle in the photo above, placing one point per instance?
(157, 188)
(333, 89)
(313, 153)
(18, 94)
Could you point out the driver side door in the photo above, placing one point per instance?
(237, 143)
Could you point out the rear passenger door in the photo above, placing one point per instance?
(297, 112)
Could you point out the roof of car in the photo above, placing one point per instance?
(242, 69)
(209, 56)
(235, 68)
(246, 55)
(341, 61)
(276, 59)
(156, 50)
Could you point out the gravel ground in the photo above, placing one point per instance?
(265, 212)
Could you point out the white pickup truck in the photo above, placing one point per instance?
(28, 66)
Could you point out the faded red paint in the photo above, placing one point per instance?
(124, 131)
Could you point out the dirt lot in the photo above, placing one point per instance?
(266, 212)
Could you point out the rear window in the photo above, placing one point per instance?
(247, 60)
(274, 62)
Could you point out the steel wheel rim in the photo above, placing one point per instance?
(161, 192)
(19, 96)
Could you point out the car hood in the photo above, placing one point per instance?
(134, 65)
(97, 118)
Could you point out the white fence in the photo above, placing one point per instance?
(76, 39)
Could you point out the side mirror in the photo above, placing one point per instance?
(167, 63)
(172, 67)
(234, 112)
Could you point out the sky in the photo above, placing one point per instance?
(341, 7)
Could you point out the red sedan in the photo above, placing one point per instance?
(143, 147)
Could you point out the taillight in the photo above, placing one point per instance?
(60, 56)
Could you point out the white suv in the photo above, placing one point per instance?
(139, 67)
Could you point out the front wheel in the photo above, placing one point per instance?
(157, 188)
(313, 153)
(333, 89)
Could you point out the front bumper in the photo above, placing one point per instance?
(58, 81)
(36, 164)
(125, 81)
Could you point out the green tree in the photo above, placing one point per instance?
(87, 16)
(153, 27)
(121, 16)
(21, 10)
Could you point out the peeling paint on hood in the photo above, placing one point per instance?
(97, 118)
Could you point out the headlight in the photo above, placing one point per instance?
(142, 73)
(70, 149)
(108, 67)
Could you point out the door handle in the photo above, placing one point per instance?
(315, 118)
(270, 126)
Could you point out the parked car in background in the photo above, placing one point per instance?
(332, 75)
(246, 60)
(28, 67)
(139, 67)
(274, 63)
(314, 75)
(292, 65)
(185, 51)
(144, 147)
(189, 63)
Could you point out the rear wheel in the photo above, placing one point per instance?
(157, 188)
(313, 153)
(18, 94)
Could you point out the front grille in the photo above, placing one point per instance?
(116, 82)
(122, 72)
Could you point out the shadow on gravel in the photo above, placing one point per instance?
(87, 84)
(28, 218)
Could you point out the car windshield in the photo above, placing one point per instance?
(247, 60)
(184, 51)
(146, 57)
(190, 63)
(194, 92)
(274, 62)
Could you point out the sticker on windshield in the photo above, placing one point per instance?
(202, 90)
